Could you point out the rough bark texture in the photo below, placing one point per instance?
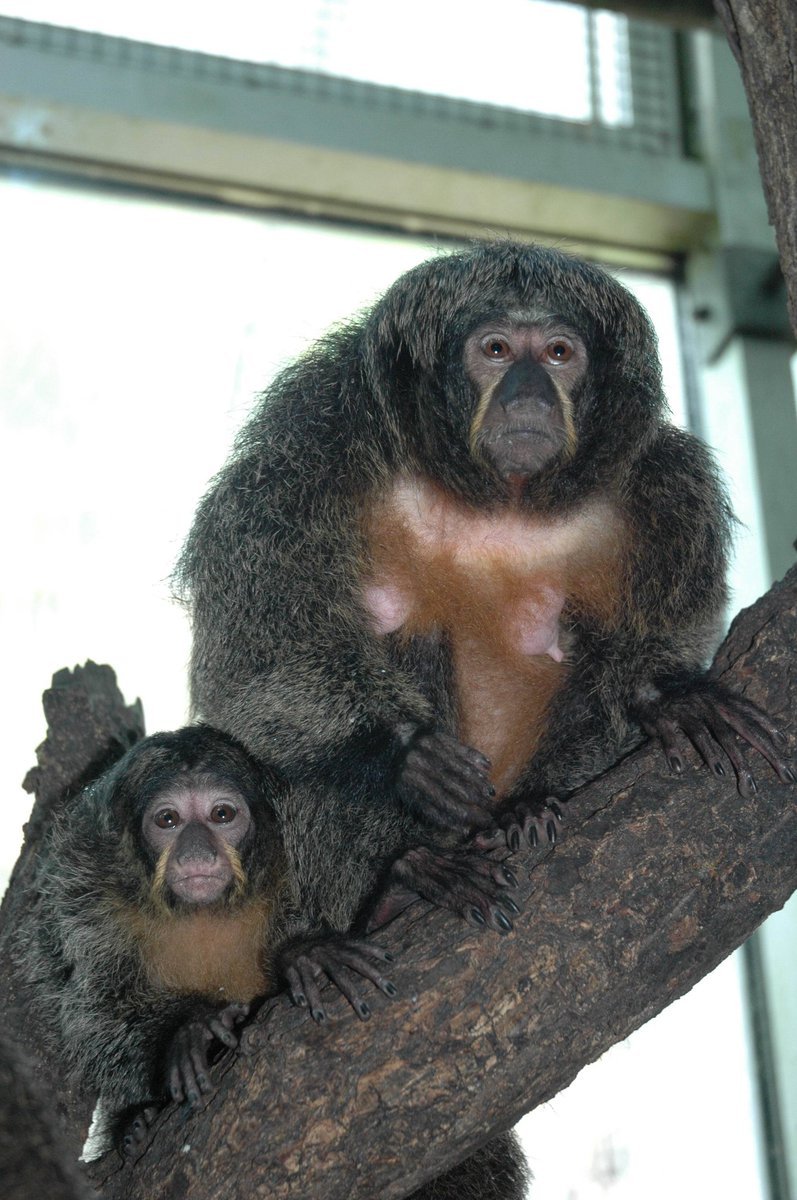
(763, 37)
(655, 881)
(34, 1159)
(89, 727)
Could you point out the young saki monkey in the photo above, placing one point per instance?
(164, 908)
(458, 563)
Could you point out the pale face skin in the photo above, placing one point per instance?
(196, 823)
(525, 373)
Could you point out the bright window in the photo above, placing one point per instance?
(534, 55)
(136, 332)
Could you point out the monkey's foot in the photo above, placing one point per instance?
(527, 823)
(444, 782)
(306, 962)
(135, 1135)
(462, 879)
(709, 715)
(187, 1060)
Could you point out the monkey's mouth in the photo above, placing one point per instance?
(199, 887)
(525, 433)
(519, 449)
(499, 436)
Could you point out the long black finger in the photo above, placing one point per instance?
(348, 989)
(726, 739)
(312, 991)
(761, 740)
(193, 1064)
(368, 970)
(369, 949)
(666, 731)
(175, 1084)
(739, 708)
(295, 987)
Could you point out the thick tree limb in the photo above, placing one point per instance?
(89, 727)
(656, 880)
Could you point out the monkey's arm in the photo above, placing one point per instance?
(184, 1034)
(645, 670)
(683, 532)
(113, 1032)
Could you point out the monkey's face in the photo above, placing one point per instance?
(194, 830)
(526, 374)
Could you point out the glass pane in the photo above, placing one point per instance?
(538, 56)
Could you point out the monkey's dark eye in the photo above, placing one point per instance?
(221, 814)
(496, 347)
(559, 350)
(167, 818)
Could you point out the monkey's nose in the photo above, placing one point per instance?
(195, 844)
(527, 400)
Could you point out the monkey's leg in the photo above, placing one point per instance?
(710, 716)
(462, 879)
(186, 1071)
(305, 962)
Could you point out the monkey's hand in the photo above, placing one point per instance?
(709, 715)
(444, 782)
(524, 823)
(462, 879)
(305, 963)
(188, 1057)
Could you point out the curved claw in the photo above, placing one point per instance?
(526, 823)
(463, 880)
(712, 717)
(445, 782)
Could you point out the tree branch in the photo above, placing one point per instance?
(89, 727)
(654, 882)
(763, 38)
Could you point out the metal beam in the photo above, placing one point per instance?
(678, 14)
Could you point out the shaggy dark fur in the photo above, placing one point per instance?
(80, 951)
(276, 567)
(284, 655)
(78, 948)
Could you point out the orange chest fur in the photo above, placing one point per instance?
(502, 585)
(221, 955)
